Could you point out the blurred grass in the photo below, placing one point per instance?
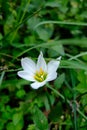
(55, 28)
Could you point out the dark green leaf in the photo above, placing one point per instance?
(40, 120)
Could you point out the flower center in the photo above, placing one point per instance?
(40, 75)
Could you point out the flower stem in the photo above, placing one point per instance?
(58, 93)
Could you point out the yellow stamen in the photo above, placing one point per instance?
(40, 75)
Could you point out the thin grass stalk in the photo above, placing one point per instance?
(75, 113)
(20, 21)
(60, 95)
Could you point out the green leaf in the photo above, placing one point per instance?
(40, 120)
(45, 32)
(59, 49)
(31, 127)
(16, 118)
(56, 112)
(59, 81)
(32, 22)
(56, 50)
(20, 93)
(82, 86)
(73, 64)
(11, 126)
(52, 4)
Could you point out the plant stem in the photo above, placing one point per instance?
(59, 94)
(75, 113)
(74, 105)
(1, 78)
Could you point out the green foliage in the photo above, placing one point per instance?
(59, 81)
(40, 120)
(82, 86)
(31, 127)
(57, 28)
(56, 113)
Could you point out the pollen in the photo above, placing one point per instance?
(40, 75)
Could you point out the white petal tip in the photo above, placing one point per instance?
(59, 58)
(25, 58)
(34, 87)
(22, 60)
(37, 85)
(18, 73)
(41, 53)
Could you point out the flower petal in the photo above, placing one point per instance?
(53, 65)
(41, 63)
(52, 76)
(26, 76)
(37, 85)
(28, 65)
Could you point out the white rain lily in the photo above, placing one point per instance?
(39, 73)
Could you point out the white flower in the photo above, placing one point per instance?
(39, 73)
